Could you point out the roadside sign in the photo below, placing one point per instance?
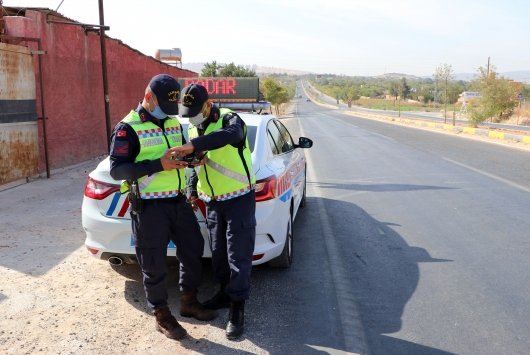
(227, 89)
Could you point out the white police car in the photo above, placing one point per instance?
(280, 168)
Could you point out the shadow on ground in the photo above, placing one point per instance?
(295, 310)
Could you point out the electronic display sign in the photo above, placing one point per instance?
(227, 89)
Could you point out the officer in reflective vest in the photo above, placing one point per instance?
(140, 156)
(225, 182)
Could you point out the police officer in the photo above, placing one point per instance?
(159, 210)
(226, 183)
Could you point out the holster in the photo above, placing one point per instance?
(135, 200)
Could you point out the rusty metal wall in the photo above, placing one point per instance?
(19, 149)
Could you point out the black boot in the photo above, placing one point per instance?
(167, 324)
(236, 320)
(218, 301)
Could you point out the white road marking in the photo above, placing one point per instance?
(492, 176)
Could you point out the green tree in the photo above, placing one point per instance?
(425, 93)
(232, 70)
(497, 100)
(275, 93)
(454, 90)
(337, 93)
(404, 89)
(228, 70)
(210, 69)
(351, 94)
(476, 112)
(395, 89)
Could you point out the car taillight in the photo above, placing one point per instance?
(99, 190)
(266, 189)
(257, 257)
(92, 250)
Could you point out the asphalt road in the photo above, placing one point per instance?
(412, 242)
(426, 234)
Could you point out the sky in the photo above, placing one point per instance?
(348, 37)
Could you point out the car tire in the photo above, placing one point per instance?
(303, 200)
(285, 259)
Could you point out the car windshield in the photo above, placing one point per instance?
(251, 135)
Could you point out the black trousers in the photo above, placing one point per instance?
(232, 232)
(160, 221)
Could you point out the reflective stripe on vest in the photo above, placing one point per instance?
(224, 176)
(154, 142)
(231, 174)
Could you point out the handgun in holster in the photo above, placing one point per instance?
(134, 197)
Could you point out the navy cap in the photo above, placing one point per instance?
(193, 98)
(167, 91)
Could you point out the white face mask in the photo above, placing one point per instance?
(198, 119)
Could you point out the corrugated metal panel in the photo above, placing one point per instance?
(17, 84)
(19, 151)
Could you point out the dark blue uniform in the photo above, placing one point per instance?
(160, 221)
(231, 223)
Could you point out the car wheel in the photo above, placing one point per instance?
(302, 201)
(285, 259)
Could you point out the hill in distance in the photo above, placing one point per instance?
(520, 75)
(260, 70)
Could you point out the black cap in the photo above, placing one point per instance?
(193, 98)
(167, 91)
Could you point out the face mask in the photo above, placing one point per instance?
(158, 113)
(198, 119)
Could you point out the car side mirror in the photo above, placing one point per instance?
(304, 142)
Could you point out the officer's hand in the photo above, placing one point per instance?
(183, 150)
(203, 161)
(169, 164)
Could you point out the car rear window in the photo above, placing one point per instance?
(251, 135)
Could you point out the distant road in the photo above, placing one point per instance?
(421, 115)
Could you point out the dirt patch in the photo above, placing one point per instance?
(57, 299)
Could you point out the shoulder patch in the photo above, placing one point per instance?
(121, 133)
(120, 148)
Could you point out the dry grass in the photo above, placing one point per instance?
(521, 116)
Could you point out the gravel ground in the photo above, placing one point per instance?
(57, 299)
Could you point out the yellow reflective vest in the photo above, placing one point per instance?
(154, 141)
(227, 172)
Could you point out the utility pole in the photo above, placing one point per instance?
(488, 72)
(1, 18)
(104, 70)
